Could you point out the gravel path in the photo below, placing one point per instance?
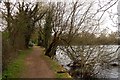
(36, 66)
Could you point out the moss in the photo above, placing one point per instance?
(16, 66)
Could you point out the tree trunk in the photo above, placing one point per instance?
(51, 51)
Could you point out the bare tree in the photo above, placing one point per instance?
(25, 14)
(74, 19)
(19, 20)
(88, 60)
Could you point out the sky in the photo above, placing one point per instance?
(108, 23)
(118, 9)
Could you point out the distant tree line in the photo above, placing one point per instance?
(86, 38)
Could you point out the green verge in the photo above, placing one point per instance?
(16, 66)
(56, 67)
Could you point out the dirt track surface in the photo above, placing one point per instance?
(36, 66)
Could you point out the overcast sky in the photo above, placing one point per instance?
(108, 23)
(118, 9)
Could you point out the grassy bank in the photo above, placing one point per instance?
(16, 66)
(56, 67)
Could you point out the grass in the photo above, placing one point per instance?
(56, 67)
(16, 66)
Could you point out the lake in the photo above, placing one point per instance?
(112, 72)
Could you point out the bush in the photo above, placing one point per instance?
(88, 60)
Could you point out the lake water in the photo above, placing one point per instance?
(113, 72)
